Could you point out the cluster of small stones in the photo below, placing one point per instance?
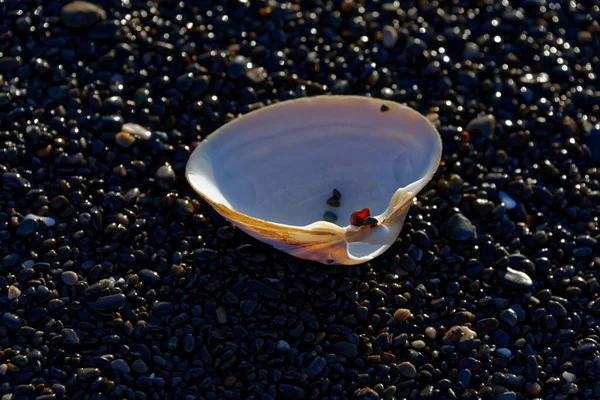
(131, 287)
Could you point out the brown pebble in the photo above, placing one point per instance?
(465, 137)
(124, 139)
(401, 315)
(455, 333)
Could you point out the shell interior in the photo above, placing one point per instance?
(281, 164)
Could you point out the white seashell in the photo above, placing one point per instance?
(272, 171)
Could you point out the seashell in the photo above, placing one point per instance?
(271, 172)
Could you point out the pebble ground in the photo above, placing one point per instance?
(133, 288)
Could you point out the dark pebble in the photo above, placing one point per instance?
(86, 374)
(108, 303)
(81, 14)
(119, 365)
(149, 276)
(9, 64)
(27, 228)
(291, 392)
(69, 337)
(12, 321)
(329, 216)
(263, 289)
(165, 177)
(459, 228)
(69, 278)
(346, 349)
(139, 366)
(507, 396)
(407, 370)
(315, 367)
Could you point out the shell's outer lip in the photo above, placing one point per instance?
(336, 234)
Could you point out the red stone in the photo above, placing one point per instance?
(358, 217)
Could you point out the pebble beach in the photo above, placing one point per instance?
(117, 281)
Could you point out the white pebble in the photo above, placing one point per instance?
(136, 130)
(29, 263)
(3, 369)
(13, 292)
(508, 201)
(46, 220)
(568, 376)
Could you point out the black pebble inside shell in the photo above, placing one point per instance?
(139, 290)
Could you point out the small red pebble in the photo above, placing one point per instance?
(358, 217)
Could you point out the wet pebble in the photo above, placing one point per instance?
(460, 228)
(27, 228)
(81, 14)
(515, 279)
(289, 391)
(165, 177)
(407, 370)
(69, 337)
(108, 303)
(12, 321)
(389, 36)
(69, 278)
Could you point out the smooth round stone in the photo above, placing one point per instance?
(27, 228)
(504, 352)
(533, 389)
(69, 278)
(141, 96)
(85, 374)
(407, 370)
(81, 14)
(483, 126)
(315, 367)
(509, 317)
(418, 344)
(137, 131)
(288, 391)
(165, 177)
(464, 376)
(119, 365)
(346, 349)
(459, 228)
(507, 396)
(13, 292)
(149, 276)
(237, 68)
(12, 321)
(282, 346)
(569, 376)
(430, 332)
(105, 30)
(471, 51)
(139, 366)
(516, 279)
(389, 36)
(69, 337)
